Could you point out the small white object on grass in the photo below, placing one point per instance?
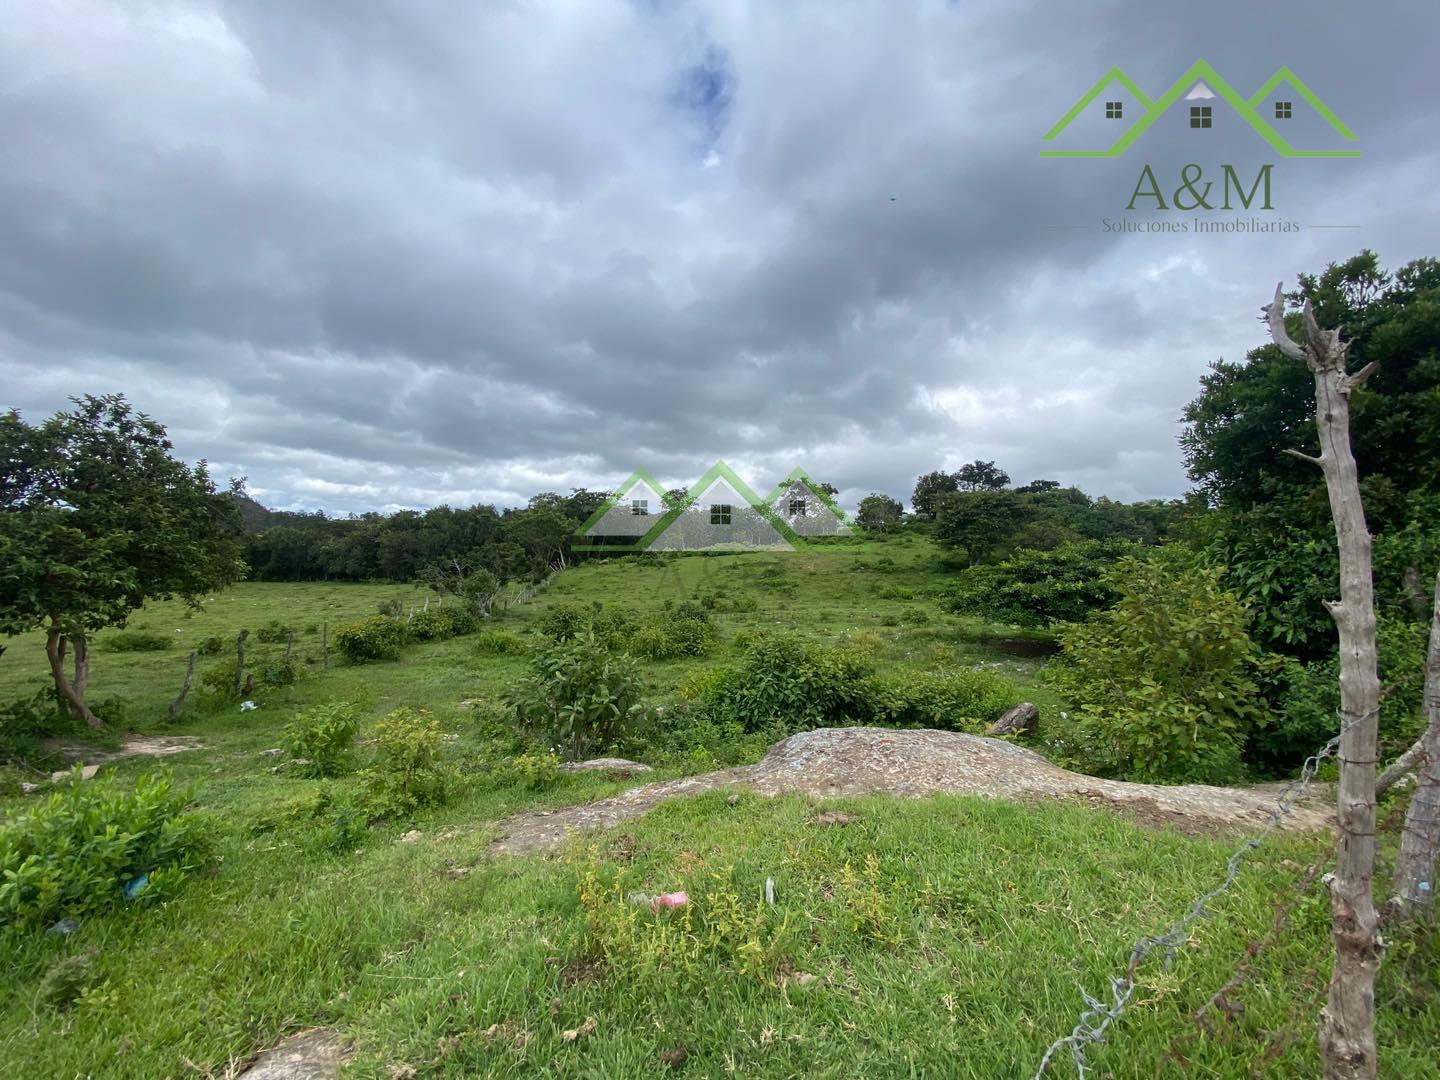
(769, 890)
(247, 706)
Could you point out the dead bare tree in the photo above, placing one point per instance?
(1347, 1023)
(1413, 888)
(179, 703)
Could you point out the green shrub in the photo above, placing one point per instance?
(781, 680)
(68, 979)
(500, 643)
(210, 646)
(686, 630)
(377, 637)
(564, 622)
(536, 770)
(613, 626)
(579, 697)
(24, 723)
(439, 623)
(322, 737)
(1036, 588)
(219, 681)
(407, 772)
(1163, 682)
(136, 641)
(88, 844)
(960, 699)
(274, 632)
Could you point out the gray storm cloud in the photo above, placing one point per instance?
(398, 254)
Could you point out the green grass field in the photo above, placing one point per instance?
(946, 937)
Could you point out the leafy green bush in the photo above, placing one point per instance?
(377, 637)
(24, 723)
(280, 671)
(781, 680)
(960, 699)
(685, 630)
(1036, 588)
(1163, 682)
(536, 770)
(579, 697)
(210, 646)
(439, 623)
(136, 641)
(564, 622)
(91, 845)
(322, 737)
(274, 632)
(407, 772)
(500, 643)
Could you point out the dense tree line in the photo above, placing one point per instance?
(512, 543)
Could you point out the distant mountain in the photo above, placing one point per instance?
(255, 517)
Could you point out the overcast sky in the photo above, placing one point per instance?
(398, 252)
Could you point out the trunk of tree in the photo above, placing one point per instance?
(240, 663)
(1414, 885)
(179, 703)
(80, 649)
(72, 694)
(1347, 1023)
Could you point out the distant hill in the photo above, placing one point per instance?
(255, 517)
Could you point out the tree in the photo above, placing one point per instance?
(1034, 487)
(96, 518)
(1347, 1023)
(879, 512)
(466, 579)
(928, 490)
(676, 496)
(981, 522)
(981, 476)
(827, 489)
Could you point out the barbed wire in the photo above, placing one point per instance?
(1098, 1015)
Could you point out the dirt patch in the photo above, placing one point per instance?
(131, 746)
(310, 1055)
(833, 762)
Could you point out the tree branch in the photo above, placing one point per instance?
(1303, 457)
(1275, 316)
(1358, 379)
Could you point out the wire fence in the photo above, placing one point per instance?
(1100, 1013)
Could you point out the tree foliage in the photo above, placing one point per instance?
(879, 512)
(96, 518)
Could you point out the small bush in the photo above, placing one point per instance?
(500, 643)
(322, 736)
(1163, 682)
(378, 637)
(579, 697)
(781, 680)
(67, 980)
(24, 723)
(439, 623)
(565, 622)
(960, 699)
(219, 682)
(136, 641)
(210, 646)
(80, 849)
(274, 632)
(407, 772)
(536, 770)
(686, 630)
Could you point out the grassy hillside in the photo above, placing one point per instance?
(944, 937)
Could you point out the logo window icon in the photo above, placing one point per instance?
(797, 507)
(719, 513)
(1114, 110)
(640, 507)
(1200, 116)
(1283, 110)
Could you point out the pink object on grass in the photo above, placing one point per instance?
(669, 900)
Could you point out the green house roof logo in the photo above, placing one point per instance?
(720, 511)
(1201, 82)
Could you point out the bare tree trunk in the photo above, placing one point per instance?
(73, 698)
(179, 703)
(240, 663)
(1414, 885)
(81, 651)
(1406, 763)
(1347, 1023)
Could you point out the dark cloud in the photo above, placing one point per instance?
(395, 254)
